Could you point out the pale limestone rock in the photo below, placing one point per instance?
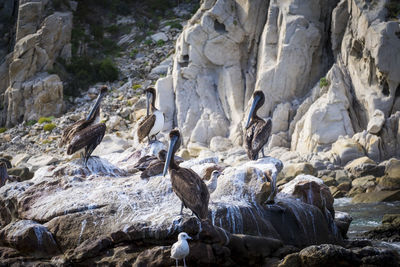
(32, 93)
(326, 119)
(165, 101)
(376, 122)
(36, 162)
(371, 143)
(219, 143)
(29, 16)
(112, 144)
(347, 149)
(278, 140)
(295, 169)
(358, 163)
(280, 118)
(393, 168)
(20, 158)
(159, 36)
(340, 16)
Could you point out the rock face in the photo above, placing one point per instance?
(230, 48)
(27, 91)
(90, 211)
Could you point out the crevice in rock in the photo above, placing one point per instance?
(219, 27)
(385, 89)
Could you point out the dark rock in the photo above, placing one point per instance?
(252, 249)
(342, 221)
(344, 187)
(23, 173)
(291, 260)
(388, 231)
(328, 255)
(29, 237)
(357, 243)
(157, 256)
(285, 250)
(378, 256)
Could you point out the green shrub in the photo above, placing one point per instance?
(148, 42)
(174, 24)
(2, 130)
(160, 42)
(107, 71)
(49, 127)
(393, 8)
(45, 119)
(133, 53)
(136, 86)
(323, 82)
(31, 122)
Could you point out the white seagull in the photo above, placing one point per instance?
(212, 183)
(180, 249)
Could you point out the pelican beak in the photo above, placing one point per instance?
(148, 95)
(95, 107)
(169, 155)
(253, 107)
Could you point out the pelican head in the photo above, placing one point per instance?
(183, 236)
(258, 101)
(162, 155)
(174, 144)
(94, 109)
(150, 98)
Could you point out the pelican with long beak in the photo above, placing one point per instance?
(3, 173)
(153, 123)
(187, 184)
(86, 133)
(257, 129)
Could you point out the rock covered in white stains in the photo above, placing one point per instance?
(376, 122)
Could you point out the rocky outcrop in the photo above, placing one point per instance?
(231, 48)
(89, 211)
(28, 91)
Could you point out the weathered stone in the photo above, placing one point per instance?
(328, 255)
(376, 122)
(20, 158)
(378, 196)
(219, 143)
(392, 168)
(347, 150)
(29, 237)
(39, 161)
(329, 181)
(292, 170)
(23, 173)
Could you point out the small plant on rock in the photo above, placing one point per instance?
(2, 129)
(160, 42)
(49, 127)
(45, 119)
(323, 82)
(31, 122)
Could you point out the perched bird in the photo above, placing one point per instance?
(153, 123)
(7, 162)
(180, 249)
(3, 173)
(257, 130)
(187, 184)
(86, 133)
(212, 183)
(156, 166)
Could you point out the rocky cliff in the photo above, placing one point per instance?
(27, 90)
(329, 70)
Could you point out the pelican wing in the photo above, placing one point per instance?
(144, 162)
(69, 132)
(257, 136)
(193, 192)
(145, 126)
(91, 135)
(156, 167)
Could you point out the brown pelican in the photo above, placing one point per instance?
(3, 173)
(86, 133)
(152, 123)
(257, 130)
(156, 166)
(7, 162)
(212, 183)
(180, 249)
(187, 185)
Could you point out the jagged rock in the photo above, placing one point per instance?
(364, 182)
(159, 36)
(23, 173)
(20, 158)
(343, 221)
(32, 92)
(392, 168)
(376, 122)
(364, 166)
(371, 143)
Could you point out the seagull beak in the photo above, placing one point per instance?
(253, 107)
(169, 155)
